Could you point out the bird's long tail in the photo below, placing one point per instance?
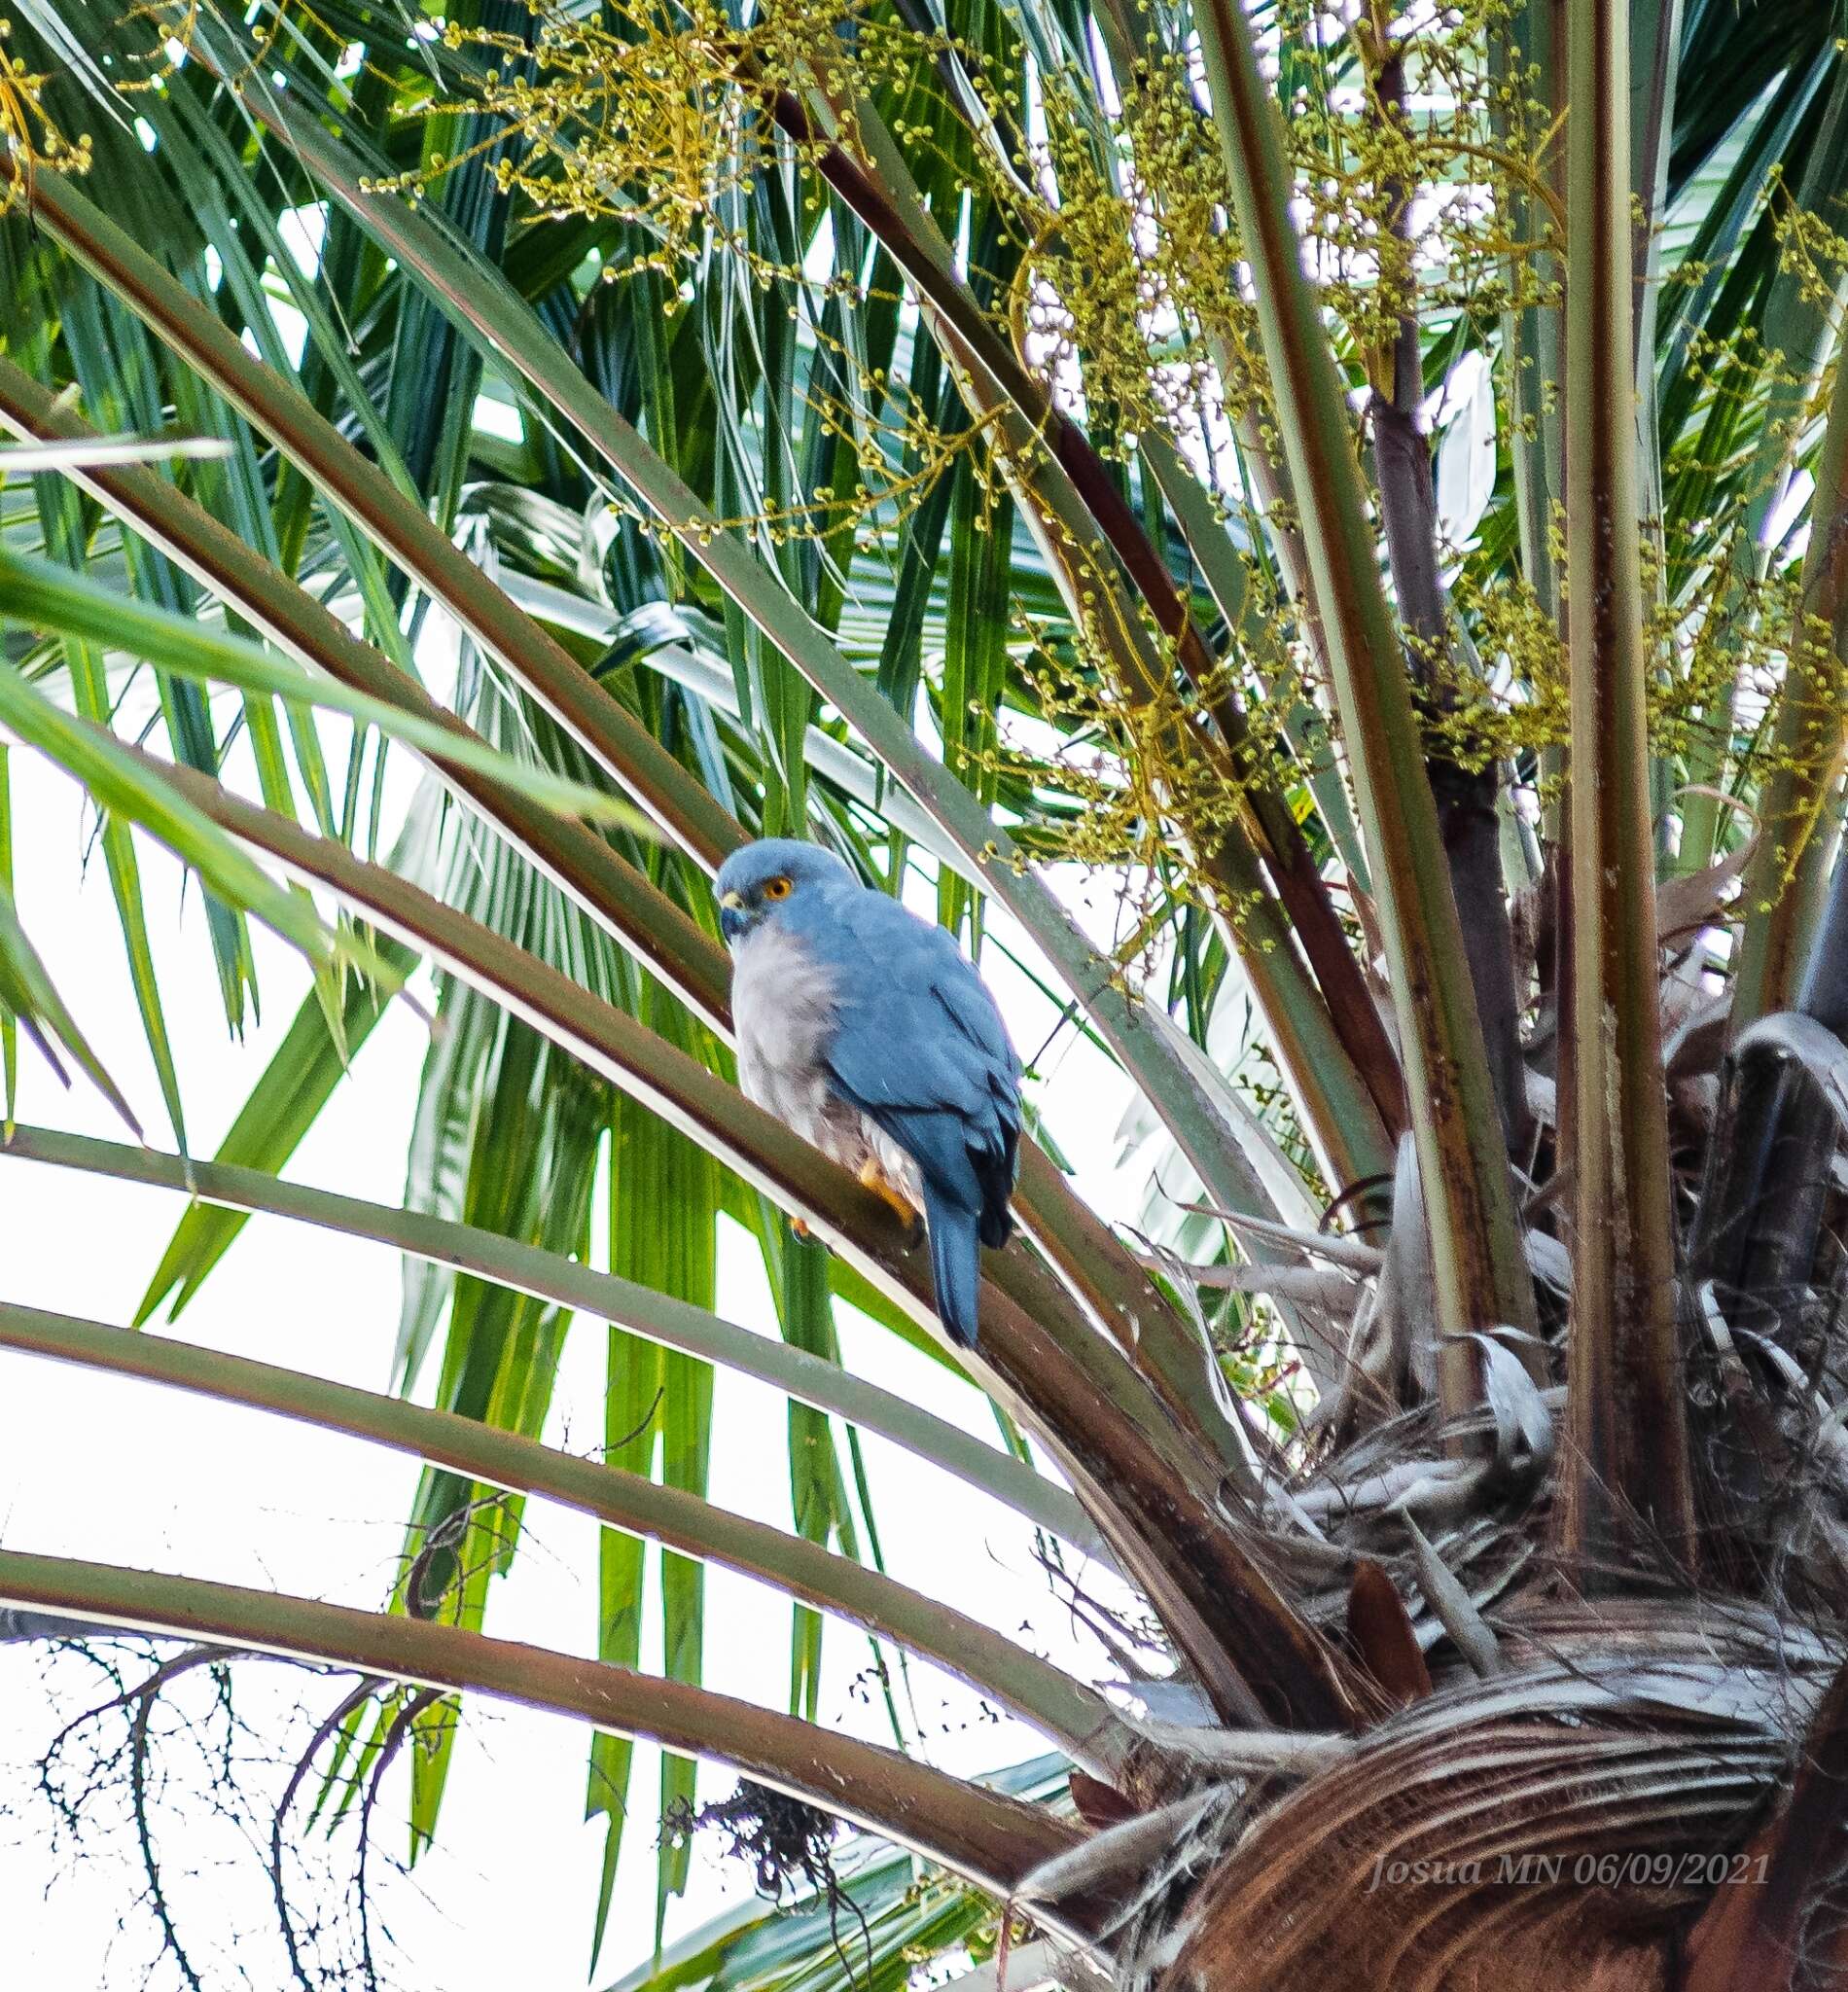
(956, 1267)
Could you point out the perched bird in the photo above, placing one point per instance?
(869, 1033)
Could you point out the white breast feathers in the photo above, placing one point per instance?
(783, 1006)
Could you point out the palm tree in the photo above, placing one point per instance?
(981, 438)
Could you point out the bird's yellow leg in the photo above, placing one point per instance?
(882, 1186)
(873, 1178)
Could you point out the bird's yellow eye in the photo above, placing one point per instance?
(776, 888)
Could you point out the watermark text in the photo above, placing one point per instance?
(1635, 1869)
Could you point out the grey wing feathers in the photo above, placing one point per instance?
(922, 1049)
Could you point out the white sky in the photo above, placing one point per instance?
(109, 1469)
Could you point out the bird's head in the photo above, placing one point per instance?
(755, 884)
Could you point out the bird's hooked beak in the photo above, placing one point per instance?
(733, 918)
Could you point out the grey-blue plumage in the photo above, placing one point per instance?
(868, 1031)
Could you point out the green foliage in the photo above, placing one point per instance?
(875, 410)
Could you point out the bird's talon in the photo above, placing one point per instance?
(875, 1178)
(799, 1226)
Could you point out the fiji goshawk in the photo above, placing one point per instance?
(868, 1031)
